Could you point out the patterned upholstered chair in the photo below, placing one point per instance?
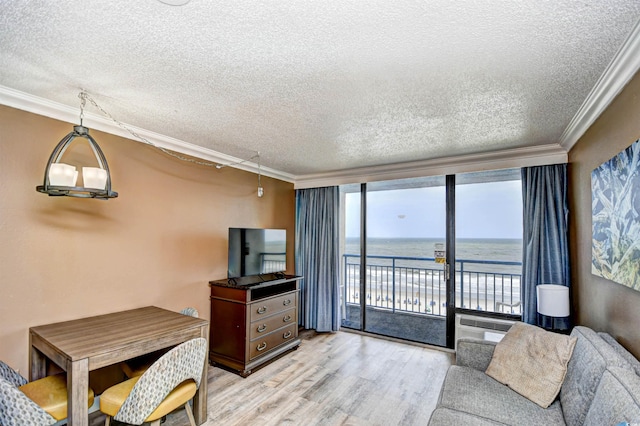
(42, 402)
(135, 367)
(189, 311)
(170, 382)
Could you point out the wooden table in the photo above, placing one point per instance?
(86, 344)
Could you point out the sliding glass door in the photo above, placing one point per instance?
(400, 288)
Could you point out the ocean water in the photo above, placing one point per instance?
(503, 250)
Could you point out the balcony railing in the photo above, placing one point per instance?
(417, 284)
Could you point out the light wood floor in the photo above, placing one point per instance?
(332, 379)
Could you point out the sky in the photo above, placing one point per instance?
(483, 210)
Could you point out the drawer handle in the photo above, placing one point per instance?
(262, 346)
(286, 302)
(262, 328)
(286, 318)
(287, 335)
(262, 309)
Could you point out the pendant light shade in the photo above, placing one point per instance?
(60, 179)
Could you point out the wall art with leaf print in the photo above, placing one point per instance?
(615, 206)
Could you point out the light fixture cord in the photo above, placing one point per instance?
(221, 166)
(84, 96)
(83, 101)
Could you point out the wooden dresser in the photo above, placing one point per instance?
(253, 320)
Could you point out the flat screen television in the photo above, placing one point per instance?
(256, 251)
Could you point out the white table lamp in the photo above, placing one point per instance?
(553, 300)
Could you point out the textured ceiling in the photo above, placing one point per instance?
(319, 86)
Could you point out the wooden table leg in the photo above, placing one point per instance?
(77, 390)
(37, 362)
(200, 398)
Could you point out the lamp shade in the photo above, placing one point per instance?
(553, 300)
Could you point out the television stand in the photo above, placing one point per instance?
(253, 320)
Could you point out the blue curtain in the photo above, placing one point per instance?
(545, 257)
(317, 258)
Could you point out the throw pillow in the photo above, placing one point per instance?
(532, 362)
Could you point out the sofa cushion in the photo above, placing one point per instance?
(473, 392)
(474, 353)
(617, 398)
(591, 356)
(447, 417)
(532, 361)
(620, 350)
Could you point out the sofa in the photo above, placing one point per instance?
(601, 386)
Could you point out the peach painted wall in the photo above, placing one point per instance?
(600, 303)
(159, 243)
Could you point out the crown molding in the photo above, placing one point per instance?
(623, 67)
(495, 160)
(37, 105)
(517, 157)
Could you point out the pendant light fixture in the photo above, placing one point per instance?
(60, 178)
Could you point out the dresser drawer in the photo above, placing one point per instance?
(263, 345)
(267, 307)
(265, 326)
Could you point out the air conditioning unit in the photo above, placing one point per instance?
(483, 328)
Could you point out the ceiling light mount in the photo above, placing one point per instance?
(174, 2)
(60, 178)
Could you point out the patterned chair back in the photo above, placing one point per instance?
(185, 361)
(11, 375)
(191, 312)
(17, 409)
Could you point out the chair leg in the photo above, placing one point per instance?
(187, 408)
(155, 423)
(107, 421)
